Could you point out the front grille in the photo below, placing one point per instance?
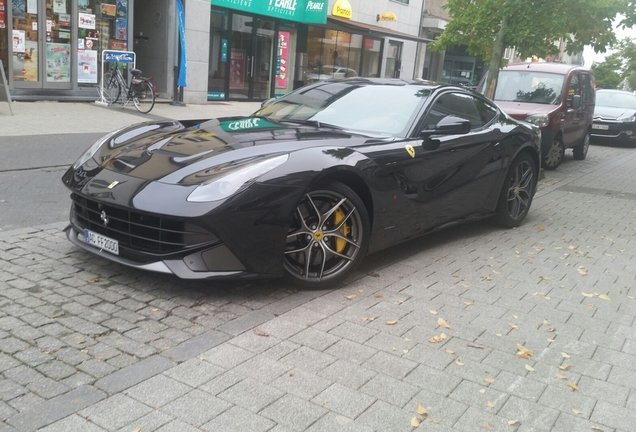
(138, 231)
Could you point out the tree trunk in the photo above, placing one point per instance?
(495, 60)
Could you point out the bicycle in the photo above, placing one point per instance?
(141, 92)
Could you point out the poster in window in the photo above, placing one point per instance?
(3, 17)
(58, 62)
(64, 20)
(19, 8)
(122, 8)
(108, 10)
(19, 41)
(59, 6)
(282, 59)
(237, 69)
(87, 66)
(32, 7)
(120, 29)
(86, 21)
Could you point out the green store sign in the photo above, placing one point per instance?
(305, 11)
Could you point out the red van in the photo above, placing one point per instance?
(558, 98)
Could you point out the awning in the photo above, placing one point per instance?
(371, 30)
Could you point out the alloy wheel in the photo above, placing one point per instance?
(520, 188)
(555, 155)
(326, 236)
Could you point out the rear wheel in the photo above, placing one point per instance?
(555, 154)
(517, 192)
(328, 236)
(580, 151)
(144, 99)
(111, 91)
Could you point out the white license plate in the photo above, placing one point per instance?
(601, 127)
(102, 242)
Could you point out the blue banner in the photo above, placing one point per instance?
(181, 82)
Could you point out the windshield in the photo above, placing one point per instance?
(529, 86)
(616, 100)
(355, 106)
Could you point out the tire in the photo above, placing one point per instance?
(517, 192)
(328, 237)
(111, 91)
(580, 151)
(144, 99)
(555, 155)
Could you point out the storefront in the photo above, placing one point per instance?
(268, 48)
(52, 48)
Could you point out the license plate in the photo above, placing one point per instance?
(102, 242)
(599, 126)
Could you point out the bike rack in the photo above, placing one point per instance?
(109, 56)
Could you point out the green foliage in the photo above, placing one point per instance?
(608, 73)
(533, 25)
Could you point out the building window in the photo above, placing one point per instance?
(401, 1)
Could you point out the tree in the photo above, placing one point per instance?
(608, 72)
(487, 27)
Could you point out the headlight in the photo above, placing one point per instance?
(90, 152)
(627, 119)
(227, 184)
(541, 120)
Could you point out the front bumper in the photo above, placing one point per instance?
(187, 267)
(614, 131)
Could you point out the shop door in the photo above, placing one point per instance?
(393, 60)
(251, 56)
(41, 50)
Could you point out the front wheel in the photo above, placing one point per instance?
(144, 99)
(110, 89)
(328, 236)
(580, 151)
(555, 155)
(517, 192)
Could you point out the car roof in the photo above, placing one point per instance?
(433, 85)
(559, 68)
(615, 91)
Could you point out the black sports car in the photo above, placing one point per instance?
(615, 117)
(306, 186)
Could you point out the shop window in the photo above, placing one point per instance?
(218, 55)
(102, 25)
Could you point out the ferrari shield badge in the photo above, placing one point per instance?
(410, 150)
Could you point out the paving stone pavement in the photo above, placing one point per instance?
(443, 321)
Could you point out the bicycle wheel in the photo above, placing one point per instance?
(111, 90)
(144, 99)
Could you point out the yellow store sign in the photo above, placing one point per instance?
(342, 8)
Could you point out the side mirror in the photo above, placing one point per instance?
(449, 125)
(576, 101)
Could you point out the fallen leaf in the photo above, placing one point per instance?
(575, 411)
(84, 351)
(482, 391)
(378, 295)
(466, 285)
(474, 345)
(434, 312)
(488, 278)
(350, 297)
(487, 426)
(552, 329)
(538, 293)
(489, 380)
(559, 375)
(573, 386)
(631, 297)
(154, 309)
(565, 355)
(459, 362)
(360, 290)
(588, 294)
(415, 422)
(541, 228)
(391, 322)
(513, 422)
(455, 275)
(137, 430)
(373, 274)
(547, 297)
(490, 404)
(421, 410)
(469, 303)
(93, 280)
(432, 420)
(514, 326)
(449, 351)
(496, 272)
(582, 271)
(565, 367)
(259, 332)
(435, 339)
(539, 326)
(441, 322)
(546, 278)
(546, 322)
(590, 306)
(405, 351)
(368, 318)
(292, 373)
(529, 368)
(524, 352)
(596, 429)
(604, 297)
(550, 340)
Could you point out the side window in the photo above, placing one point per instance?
(459, 105)
(487, 112)
(573, 87)
(587, 91)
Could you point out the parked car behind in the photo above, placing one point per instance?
(558, 98)
(324, 73)
(615, 117)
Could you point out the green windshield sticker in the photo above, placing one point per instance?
(246, 123)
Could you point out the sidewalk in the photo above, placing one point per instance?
(49, 117)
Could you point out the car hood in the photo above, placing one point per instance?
(612, 113)
(520, 110)
(172, 151)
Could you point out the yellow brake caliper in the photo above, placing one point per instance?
(338, 216)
